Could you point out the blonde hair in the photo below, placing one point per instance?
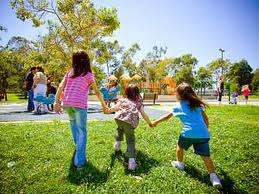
(40, 78)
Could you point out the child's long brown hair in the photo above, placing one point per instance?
(81, 64)
(184, 92)
(132, 92)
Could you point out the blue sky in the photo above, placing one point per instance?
(199, 27)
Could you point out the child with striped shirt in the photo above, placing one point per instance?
(76, 84)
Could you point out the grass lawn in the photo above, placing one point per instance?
(36, 157)
(14, 98)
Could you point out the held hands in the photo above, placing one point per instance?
(105, 109)
(153, 124)
(57, 108)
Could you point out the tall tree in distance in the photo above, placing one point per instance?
(183, 68)
(128, 61)
(240, 73)
(255, 81)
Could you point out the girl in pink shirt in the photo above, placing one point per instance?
(76, 84)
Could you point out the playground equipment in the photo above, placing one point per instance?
(171, 85)
(44, 100)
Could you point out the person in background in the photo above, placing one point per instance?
(28, 87)
(39, 88)
(51, 89)
(220, 88)
(245, 90)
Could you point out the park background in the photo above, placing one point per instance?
(190, 41)
(180, 39)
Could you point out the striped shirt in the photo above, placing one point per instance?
(76, 90)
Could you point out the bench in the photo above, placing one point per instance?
(150, 96)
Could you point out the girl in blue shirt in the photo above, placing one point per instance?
(195, 131)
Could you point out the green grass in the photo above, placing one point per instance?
(36, 157)
(14, 98)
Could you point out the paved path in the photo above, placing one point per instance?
(16, 112)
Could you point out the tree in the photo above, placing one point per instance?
(9, 71)
(182, 68)
(240, 73)
(128, 59)
(74, 25)
(204, 75)
(255, 81)
(153, 67)
(184, 74)
(218, 65)
(108, 53)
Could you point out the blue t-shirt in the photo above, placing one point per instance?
(193, 123)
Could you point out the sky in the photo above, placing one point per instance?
(199, 27)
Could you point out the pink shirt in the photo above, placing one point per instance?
(246, 92)
(76, 90)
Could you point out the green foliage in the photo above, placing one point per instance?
(184, 74)
(128, 59)
(153, 67)
(76, 25)
(255, 80)
(36, 157)
(204, 73)
(218, 66)
(240, 73)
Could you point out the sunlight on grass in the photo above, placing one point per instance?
(36, 157)
(14, 98)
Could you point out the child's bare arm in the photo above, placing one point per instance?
(146, 117)
(57, 103)
(164, 118)
(206, 119)
(115, 108)
(99, 96)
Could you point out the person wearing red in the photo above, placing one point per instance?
(245, 90)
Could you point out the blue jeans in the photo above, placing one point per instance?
(30, 100)
(78, 117)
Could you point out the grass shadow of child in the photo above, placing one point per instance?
(145, 163)
(227, 183)
(89, 174)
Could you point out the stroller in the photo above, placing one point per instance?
(234, 98)
(110, 96)
(44, 100)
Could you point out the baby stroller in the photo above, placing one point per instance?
(234, 98)
(110, 96)
(42, 101)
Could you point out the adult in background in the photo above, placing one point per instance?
(28, 87)
(51, 89)
(39, 88)
(220, 88)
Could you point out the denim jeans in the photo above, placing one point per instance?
(30, 105)
(78, 117)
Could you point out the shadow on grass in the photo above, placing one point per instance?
(228, 185)
(145, 163)
(88, 175)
